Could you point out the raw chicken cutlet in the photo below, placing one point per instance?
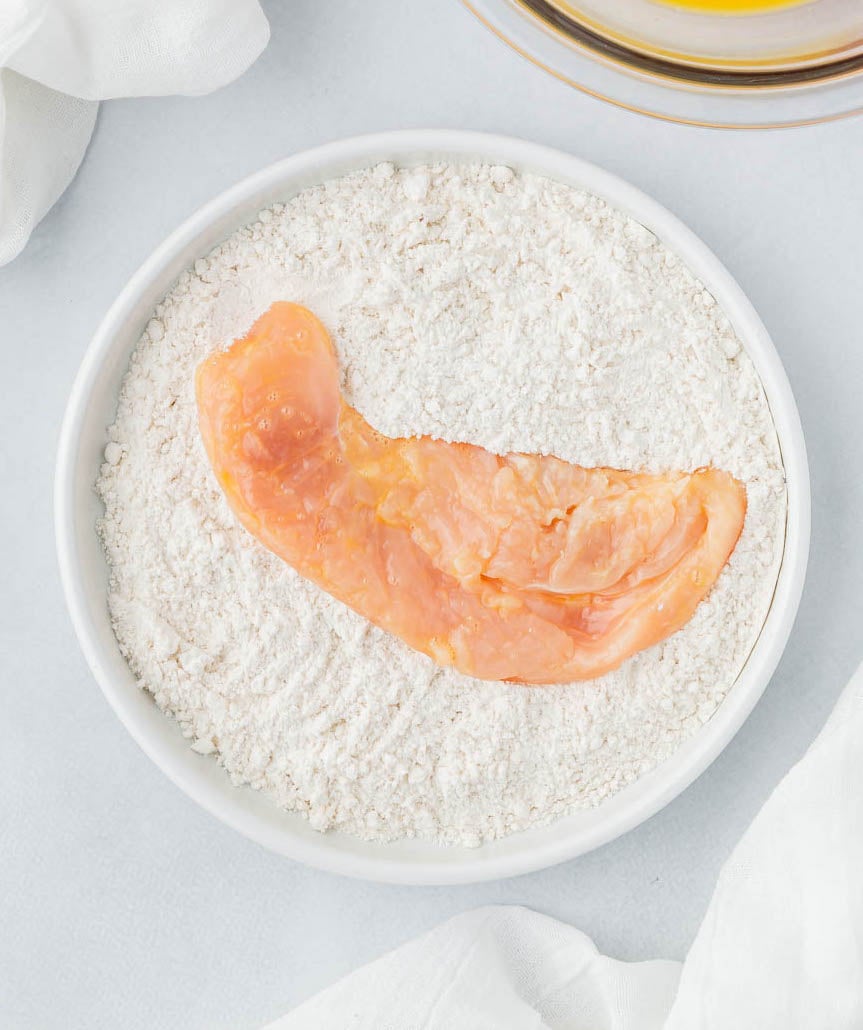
(521, 567)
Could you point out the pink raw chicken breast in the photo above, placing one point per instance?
(520, 567)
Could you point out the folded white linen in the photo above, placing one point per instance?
(59, 57)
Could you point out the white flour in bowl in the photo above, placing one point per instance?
(472, 304)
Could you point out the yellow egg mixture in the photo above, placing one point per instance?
(732, 6)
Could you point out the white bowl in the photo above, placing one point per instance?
(85, 574)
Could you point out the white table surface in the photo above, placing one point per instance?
(122, 903)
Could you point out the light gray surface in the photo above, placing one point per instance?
(122, 904)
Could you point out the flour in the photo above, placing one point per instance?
(473, 304)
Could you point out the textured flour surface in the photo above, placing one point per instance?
(470, 304)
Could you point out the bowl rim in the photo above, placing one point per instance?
(643, 90)
(649, 793)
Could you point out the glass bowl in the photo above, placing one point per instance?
(780, 64)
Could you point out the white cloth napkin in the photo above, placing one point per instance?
(59, 57)
(781, 947)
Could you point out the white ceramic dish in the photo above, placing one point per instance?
(84, 571)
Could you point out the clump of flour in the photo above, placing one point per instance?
(469, 303)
